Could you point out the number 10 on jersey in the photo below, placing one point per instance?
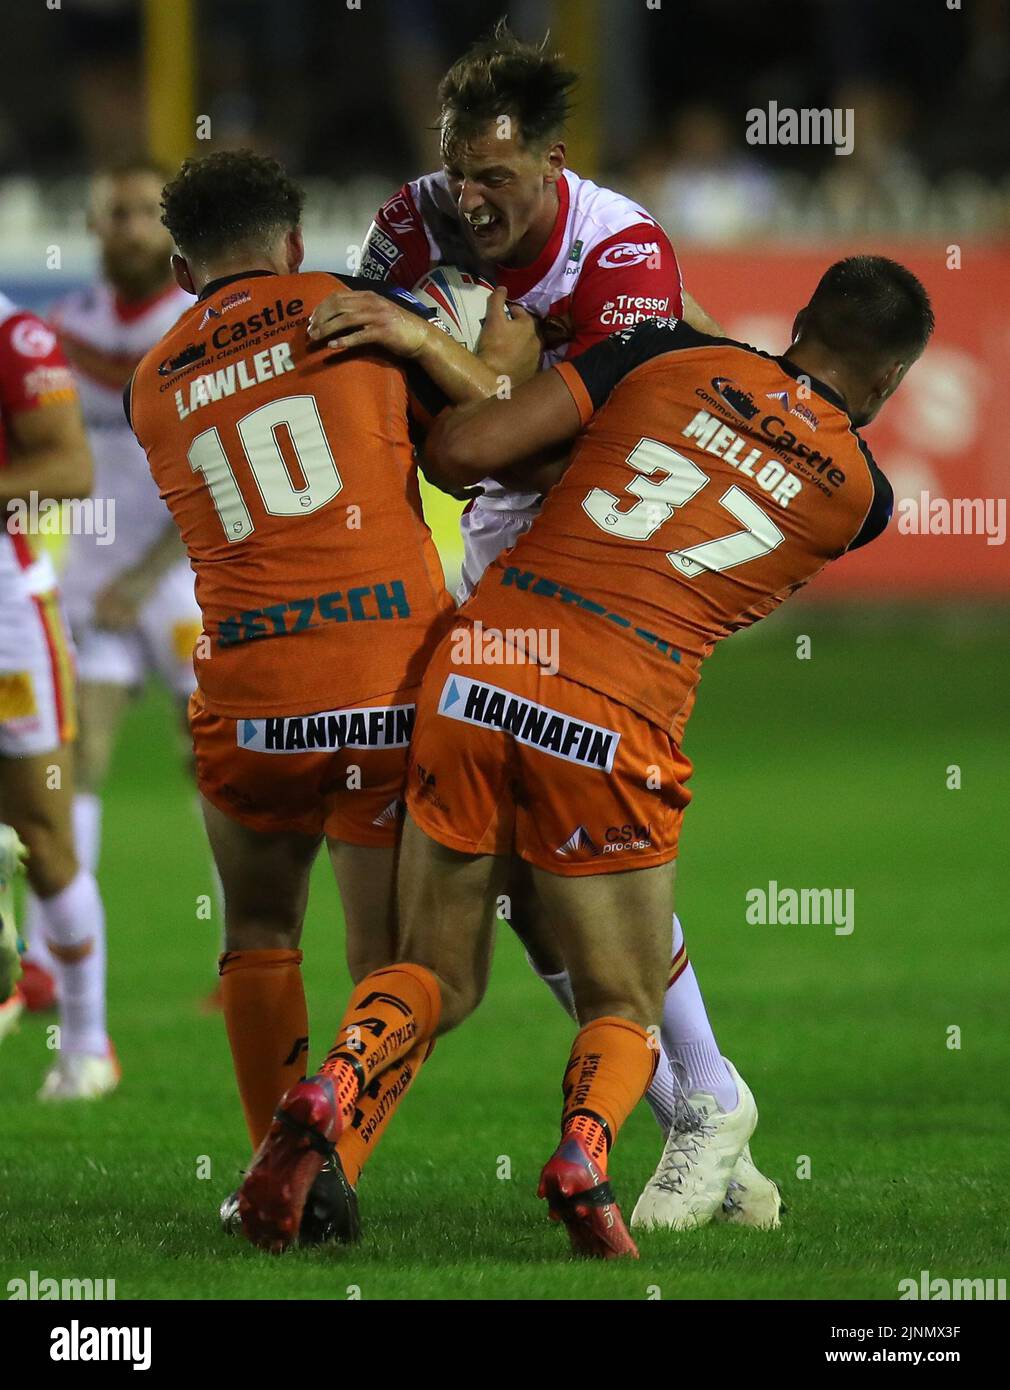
(258, 433)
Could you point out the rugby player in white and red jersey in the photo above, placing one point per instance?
(128, 586)
(44, 460)
(587, 262)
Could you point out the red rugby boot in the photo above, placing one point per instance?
(37, 986)
(305, 1129)
(579, 1194)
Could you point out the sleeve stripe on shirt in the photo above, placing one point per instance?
(583, 400)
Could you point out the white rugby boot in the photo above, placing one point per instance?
(80, 1076)
(12, 857)
(751, 1198)
(698, 1161)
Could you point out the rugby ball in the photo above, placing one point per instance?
(459, 300)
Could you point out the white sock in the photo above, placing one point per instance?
(559, 985)
(72, 918)
(661, 1089)
(88, 829)
(697, 1063)
(87, 814)
(37, 948)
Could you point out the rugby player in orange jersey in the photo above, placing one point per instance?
(290, 472)
(698, 498)
(588, 261)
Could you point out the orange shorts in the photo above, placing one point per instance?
(508, 759)
(338, 773)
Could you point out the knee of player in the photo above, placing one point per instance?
(52, 862)
(459, 999)
(636, 1005)
(540, 943)
(247, 933)
(89, 773)
(363, 963)
(44, 835)
(92, 755)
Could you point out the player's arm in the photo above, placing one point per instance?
(696, 316)
(48, 448)
(117, 605)
(356, 318)
(49, 453)
(483, 438)
(632, 276)
(396, 249)
(881, 507)
(508, 439)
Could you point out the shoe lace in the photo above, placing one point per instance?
(689, 1131)
(731, 1202)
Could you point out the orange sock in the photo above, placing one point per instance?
(374, 1110)
(389, 1013)
(608, 1072)
(268, 1029)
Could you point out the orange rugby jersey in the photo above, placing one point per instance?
(291, 477)
(711, 482)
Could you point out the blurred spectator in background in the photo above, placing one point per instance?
(698, 180)
(101, 50)
(424, 38)
(349, 93)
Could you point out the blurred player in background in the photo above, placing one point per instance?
(12, 856)
(291, 475)
(681, 518)
(129, 592)
(44, 455)
(587, 261)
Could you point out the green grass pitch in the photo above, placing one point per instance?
(829, 772)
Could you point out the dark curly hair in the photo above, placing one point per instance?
(502, 76)
(230, 199)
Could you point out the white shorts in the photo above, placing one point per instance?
(161, 644)
(486, 533)
(37, 711)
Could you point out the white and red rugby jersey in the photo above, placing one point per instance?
(33, 373)
(606, 266)
(104, 339)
